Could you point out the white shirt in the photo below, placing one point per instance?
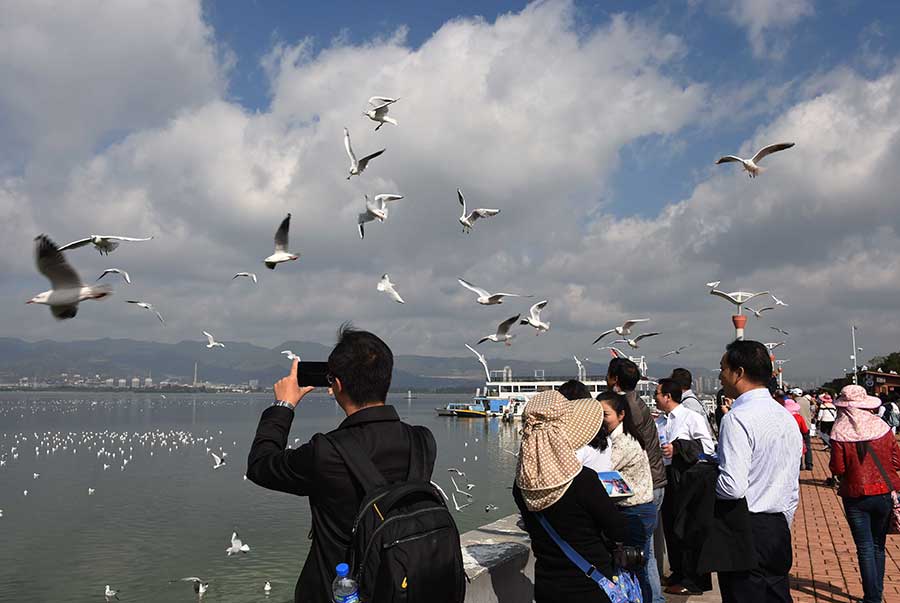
(759, 455)
(685, 424)
(595, 459)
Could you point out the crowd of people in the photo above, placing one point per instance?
(721, 487)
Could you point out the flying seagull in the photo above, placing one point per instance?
(376, 209)
(217, 460)
(387, 286)
(379, 110)
(281, 244)
(212, 341)
(357, 167)
(772, 345)
(249, 275)
(481, 359)
(116, 271)
(105, 244)
(778, 302)
(782, 331)
(753, 170)
(68, 290)
(502, 333)
(290, 355)
(147, 306)
(713, 284)
(468, 220)
(634, 342)
(236, 546)
(534, 318)
(758, 313)
(625, 329)
(614, 352)
(488, 299)
(677, 350)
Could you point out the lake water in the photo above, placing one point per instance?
(168, 514)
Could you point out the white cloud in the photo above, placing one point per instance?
(767, 22)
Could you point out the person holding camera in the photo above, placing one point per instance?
(573, 523)
(359, 376)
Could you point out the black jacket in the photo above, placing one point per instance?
(317, 471)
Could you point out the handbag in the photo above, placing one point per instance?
(623, 588)
(894, 524)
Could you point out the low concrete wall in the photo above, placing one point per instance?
(498, 563)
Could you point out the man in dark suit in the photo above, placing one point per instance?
(359, 367)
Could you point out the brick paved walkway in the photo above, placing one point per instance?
(825, 568)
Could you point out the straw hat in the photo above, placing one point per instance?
(855, 396)
(554, 429)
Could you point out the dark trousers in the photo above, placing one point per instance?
(682, 561)
(869, 518)
(808, 457)
(768, 583)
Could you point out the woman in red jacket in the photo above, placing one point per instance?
(860, 442)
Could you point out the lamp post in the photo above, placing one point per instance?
(853, 329)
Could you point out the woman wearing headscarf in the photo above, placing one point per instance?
(865, 455)
(793, 407)
(552, 483)
(826, 417)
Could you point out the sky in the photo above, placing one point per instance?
(593, 126)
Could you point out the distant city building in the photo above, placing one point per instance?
(123, 383)
(254, 384)
(135, 382)
(110, 382)
(148, 382)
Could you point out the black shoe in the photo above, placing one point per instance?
(830, 482)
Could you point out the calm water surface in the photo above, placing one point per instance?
(166, 514)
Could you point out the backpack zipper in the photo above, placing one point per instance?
(379, 528)
(416, 537)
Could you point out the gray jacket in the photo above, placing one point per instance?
(648, 436)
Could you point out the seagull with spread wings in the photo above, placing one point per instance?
(758, 313)
(105, 244)
(486, 298)
(534, 318)
(782, 331)
(778, 302)
(281, 244)
(502, 334)
(625, 329)
(482, 360)
(379, 110)
(357, 167)
(147, 306)
(249, 275)
(68, 290)
(677, 350)
(634, 342)
(385, 285)
(376, 209)
(212, 341)
(772, 345)
(125, 275)
(751, 165)
(468, 220)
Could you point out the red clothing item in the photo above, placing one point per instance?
(864, 479)
(804, 428)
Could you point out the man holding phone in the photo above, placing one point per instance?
(358, 373)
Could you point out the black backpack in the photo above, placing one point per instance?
(404, 545)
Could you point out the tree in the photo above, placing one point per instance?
(886, 364)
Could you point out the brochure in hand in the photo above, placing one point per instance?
(615, 484)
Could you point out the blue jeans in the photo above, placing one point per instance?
(652, 567)
(640, 522)
(869, 518)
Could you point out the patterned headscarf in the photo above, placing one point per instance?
(554, 429)
(855, 423)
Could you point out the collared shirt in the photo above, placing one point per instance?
(592, 458)
(685, 424)
(759, 455)
(689, 400)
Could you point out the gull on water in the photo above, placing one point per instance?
(379, 110)
(376, 209)
(357, 167)
(482, 360)
(290, 355)
(236, 546)
(486, 298)
(200, 585)
(625, 329)
(387, 286)
(281, 244)
(751, 165)
(782, 331)
(68, 290)
(634, 342)
(777, 301)
(147, 306)
(468, 220)
(124, 274)
(677, 350)
(268, 587)
(249, 275)
(217, 460)
(105, 244)
(758, 313)
(110, 593)
(502, 334)
(489, 508)
(534, 318)
(212, 341)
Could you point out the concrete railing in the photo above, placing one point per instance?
(498, 563)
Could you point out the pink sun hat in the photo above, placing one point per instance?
(855, 396)
(791, 406)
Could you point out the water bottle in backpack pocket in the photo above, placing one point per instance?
(344, 589)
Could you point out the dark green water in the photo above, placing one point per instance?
(168, 514)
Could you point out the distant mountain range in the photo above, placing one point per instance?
(240, 362)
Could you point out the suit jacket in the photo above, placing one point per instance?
(649, 437)
(317, 471)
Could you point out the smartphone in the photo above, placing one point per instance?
(312, 373)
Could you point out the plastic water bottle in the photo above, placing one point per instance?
(344, 587)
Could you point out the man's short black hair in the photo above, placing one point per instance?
(363, 363)
(626, 372)
(669, 386)
(573, 389)
(753, 357)
(682, 377)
